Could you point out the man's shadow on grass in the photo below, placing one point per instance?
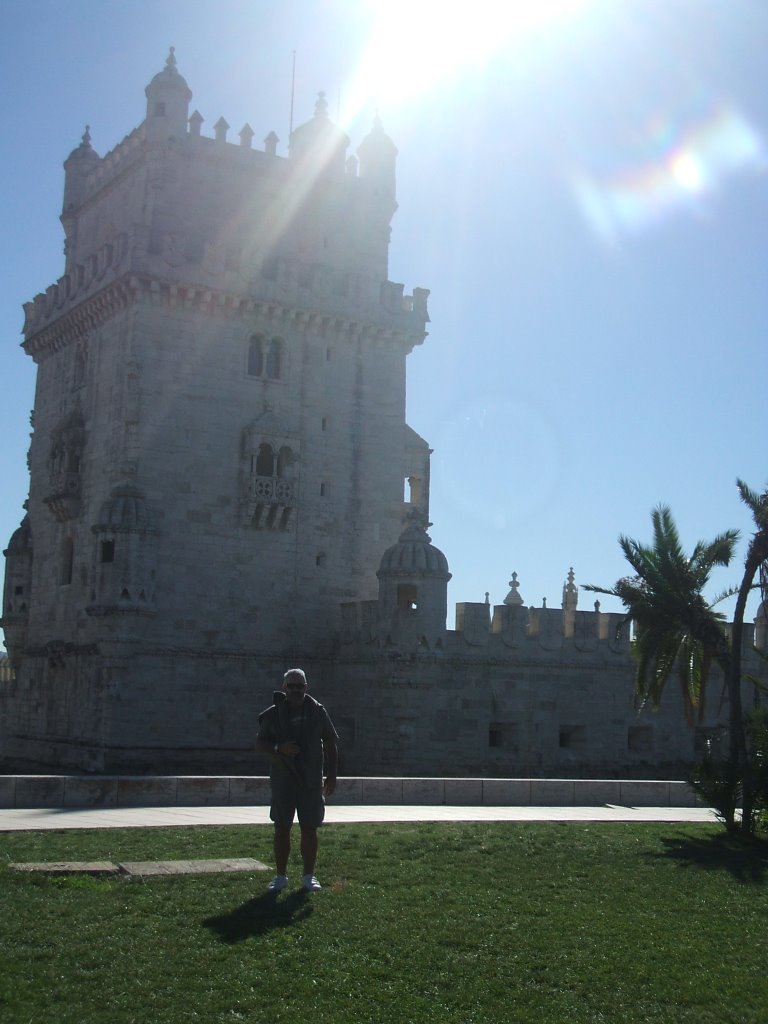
(260, 915)
(744, 858)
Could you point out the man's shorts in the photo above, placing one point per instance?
(289, 799)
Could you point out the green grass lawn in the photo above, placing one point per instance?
(456, 923)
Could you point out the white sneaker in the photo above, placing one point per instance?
(311, 884)
(278, 883)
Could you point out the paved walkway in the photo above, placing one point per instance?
(16, 820)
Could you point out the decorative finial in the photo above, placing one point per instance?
(86, 139)
(321, 106)
(487, 597)
(170, 62)
(513, 597)
(543, 602)
(597, 606)
(570, 592)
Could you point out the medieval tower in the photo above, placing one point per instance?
(223, 485)
(220, 448)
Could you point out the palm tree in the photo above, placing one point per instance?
(756, 561)
(674, 623)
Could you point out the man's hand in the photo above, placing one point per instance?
(329, 787)
(289, 747)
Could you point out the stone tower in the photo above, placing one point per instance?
(219, 448)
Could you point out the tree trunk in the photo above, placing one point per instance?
(738, 760)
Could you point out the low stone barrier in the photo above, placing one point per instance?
(82, 791)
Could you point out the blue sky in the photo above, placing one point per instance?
(583, 185)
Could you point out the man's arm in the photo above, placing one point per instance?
(265, 746)
(331, 752)
(267, 742)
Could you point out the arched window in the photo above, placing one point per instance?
(274, 370)
(265, 461)
(284, 461)
(266, 357)
(256, 355)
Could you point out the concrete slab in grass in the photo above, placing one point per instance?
(464, 792)
(249, 791)
(202, 791)
(348, 792)
(152, 791)
(423, 792)
(40, 791)
(156, 868)
(506, 792)
(8, 791)
(87, 791)
(596, 792)
(644, 793)
(552, 792)
(78, 867)
(382, 791)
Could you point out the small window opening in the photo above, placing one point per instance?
(159, 110)
(324, 423)
(640, 739)
(320, 560)
(572, 737)
(407, 597)
(323, 489)
(328, 354)
(107, 551)
(18, 591)
(494, 736)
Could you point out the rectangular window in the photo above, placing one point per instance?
(107, 551)
(572, 737)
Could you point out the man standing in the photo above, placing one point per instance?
(299, 734)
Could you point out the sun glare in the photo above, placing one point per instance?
(415, 46)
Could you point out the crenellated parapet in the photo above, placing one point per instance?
(76, 286)
(81, 300)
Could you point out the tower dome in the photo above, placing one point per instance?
(414, 554)
(413, 591)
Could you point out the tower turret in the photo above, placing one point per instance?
(16, 593)
(77, 169)
(378, 157)
(320, 145)
(168, 97)
(413, 590)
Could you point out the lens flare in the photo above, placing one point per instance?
(676, 169)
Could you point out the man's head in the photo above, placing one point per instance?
(295, 685)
